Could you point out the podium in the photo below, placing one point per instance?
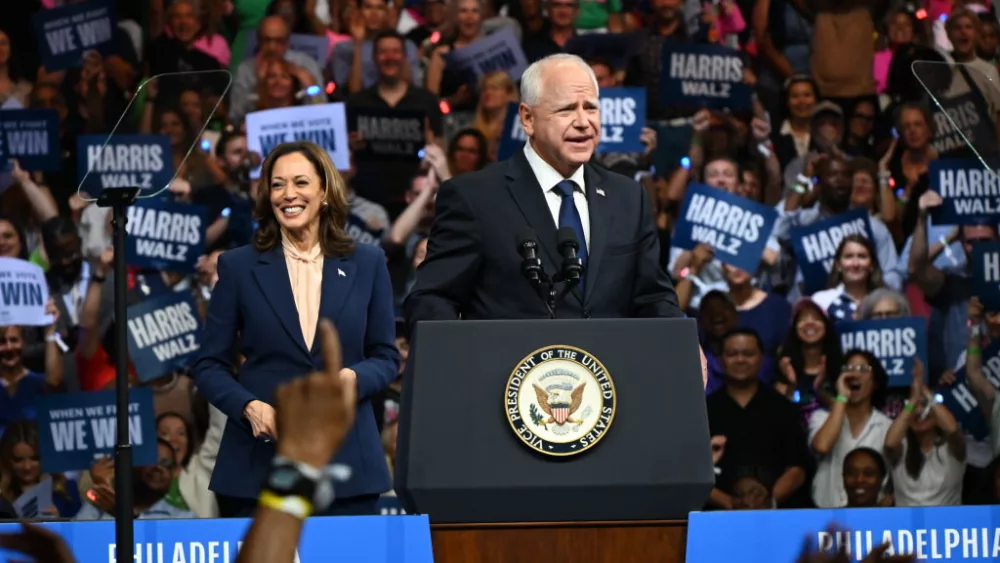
(596, 424)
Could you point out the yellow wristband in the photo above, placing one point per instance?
(295, 506)
(841, 399)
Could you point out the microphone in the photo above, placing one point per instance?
(572, 265)
(531, 264)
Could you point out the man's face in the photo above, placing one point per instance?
(605, 76)
(562, 13)
(233, 155)
(184, 22)
(962, 33)
(434, 12)
(11, 347)
(157, 477)
(374, 14)
(988, 40)
(565, 126)
(829, 128)
(66, 258)
(835, 184)
(666, 10)
(272, 38)
(47, 97)
(390, 55)
(975, 234)
(741, 358)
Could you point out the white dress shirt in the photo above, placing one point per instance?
(548, 178)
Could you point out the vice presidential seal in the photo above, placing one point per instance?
(560, 400)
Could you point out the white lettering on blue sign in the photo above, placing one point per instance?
(991, 267)
(973, 191)
(822, 246)
(170, 331)
(163, 234)
(28, 140)
(72, 435)
(720, 225)
(706, 75)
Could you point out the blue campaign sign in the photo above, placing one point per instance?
(65, 33)
(389, 133)
(165, 235)
(77, 428)
(357, 539)
(358, 230)
(951, 534)
(896, 342)
(816, 245)
(32, 137)
(970, 191)
(986, 274)
(623, 115)
(164, 334)
(961, 400)
(128, 161)
(316, 46)
(513, 137)
(703, 76)
(736, 227)
(500, 50)
(390, 506)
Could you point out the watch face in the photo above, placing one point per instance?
(283, 478)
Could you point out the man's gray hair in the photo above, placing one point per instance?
(531, 80)
(867, 305)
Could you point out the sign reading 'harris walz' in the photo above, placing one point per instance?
(735, 227)
(165, 235)
(164, 334)
(128, 161)
(816, 245)
(970, 191)
(703, 76)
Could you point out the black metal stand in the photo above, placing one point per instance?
(118, 199)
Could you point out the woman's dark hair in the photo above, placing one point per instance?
(875, 455)
(792, 81)
(880, 379)
(795, 351)
(903, 84)
(189, 133)
(16, 433)
(300, 18)
(914, 459)
(55, 229)
(875, 279)
(188, 429)
(483, 152)
(333, 239)
(23, 255)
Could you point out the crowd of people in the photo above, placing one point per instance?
(839, 123)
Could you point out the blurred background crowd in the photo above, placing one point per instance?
(839, 123)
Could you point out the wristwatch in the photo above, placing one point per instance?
(288, 479)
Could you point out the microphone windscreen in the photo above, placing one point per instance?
(526, 235)
(566, 235)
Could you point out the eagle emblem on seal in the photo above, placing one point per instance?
(559, 403)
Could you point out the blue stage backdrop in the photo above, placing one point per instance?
(950, 534)
(357, 539)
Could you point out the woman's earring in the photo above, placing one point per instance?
(326, 203)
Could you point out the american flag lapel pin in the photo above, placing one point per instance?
(600, 192)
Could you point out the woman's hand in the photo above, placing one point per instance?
(883, 163)
(648, 138)
(20, 175)
(51, 309)
(917, 389)
(260, 415)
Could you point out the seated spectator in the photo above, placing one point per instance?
(853, 420)
(21, 469)
(766, 313)
(864, 476)
(810, 359)
(717, 317)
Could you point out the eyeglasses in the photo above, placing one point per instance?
(885, 314)
(858, 368)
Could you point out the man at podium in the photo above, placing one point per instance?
(491, 223)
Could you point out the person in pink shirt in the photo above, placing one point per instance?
(901, 30)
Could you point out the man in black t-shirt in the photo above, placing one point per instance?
(229, 205)
(175, 52)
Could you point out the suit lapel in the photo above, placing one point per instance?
(528, 195)
(599, 219)
(271, 274)
(338, 277)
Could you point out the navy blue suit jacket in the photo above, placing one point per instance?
(252, 307)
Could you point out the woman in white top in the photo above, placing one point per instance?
(852, 421)
(855, 274)
(926, 450)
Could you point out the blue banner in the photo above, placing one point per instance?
(129, 161)
(970, 191)
(316, 46)
(951, 534)
(896, 342)
(324, 124)
(500, 50)
(816, 245)
(389, 133)
(65, 33)
(32, 137)
(736, 227)
(358, 230)
(164, 334)
(623, 115)
(513, 137)
(962, 402)
(703, 76)
(77, 428)
(165, 235)
(986, 274)
(357, 539)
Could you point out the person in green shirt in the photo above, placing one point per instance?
(600, 16)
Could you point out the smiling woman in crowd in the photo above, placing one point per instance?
(809, 359)
(21, 469)
(855, 273)
(864, 476)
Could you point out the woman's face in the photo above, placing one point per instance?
(749, 187)
(157, 477)
(466, 154)
(722, 174)
(862, 481)
(801, 99)
(735, 276)
(469, 18)
(278, 82)
(914, 128)
(10, 242)
(171, 126)
(717, 316)
(900, 29)
(27, 468)
(190, 106)
(11, 347)
(886, 308)
(173, 430)
(4, 48)
(494, 96)
(296, 193)
(862, 120)
(862, 190)
(855, 263)
(809, 326)
(857, 374)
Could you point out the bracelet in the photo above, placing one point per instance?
(909, 407)
(295, 506)
(973, 351)
(841, 399)
(97, 279)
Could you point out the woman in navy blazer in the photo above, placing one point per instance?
(302, 266)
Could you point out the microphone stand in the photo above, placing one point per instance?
(118, 199)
